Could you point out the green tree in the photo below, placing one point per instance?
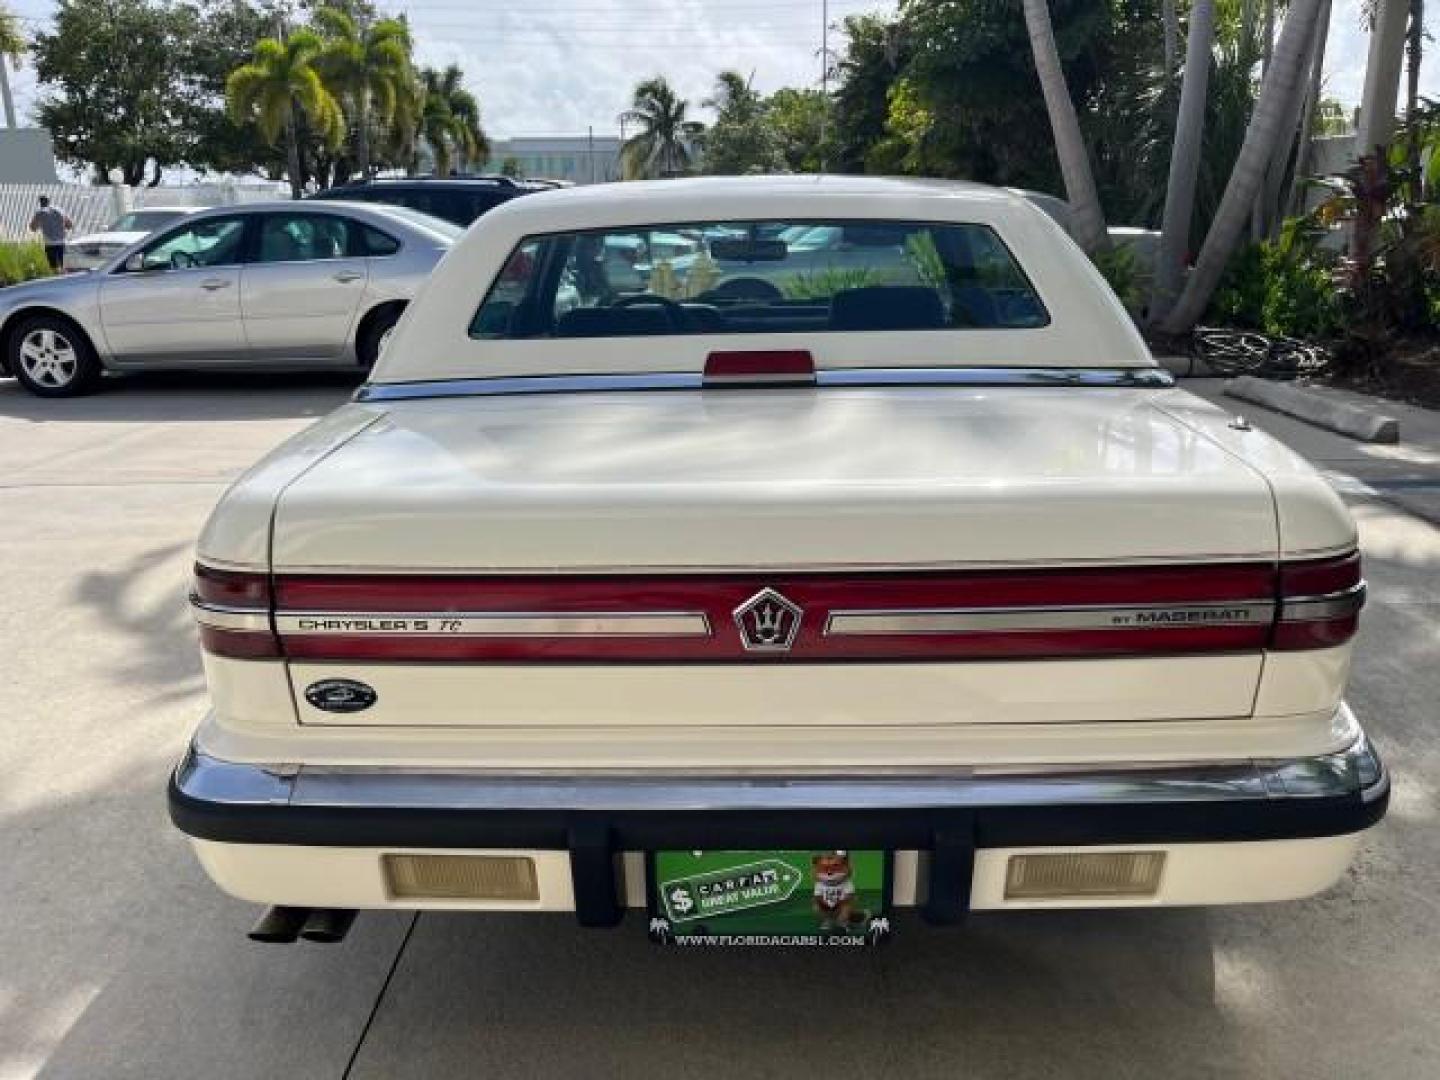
(368, 66)
(803, 122)
(449, 121)
(224, 40)
(876, 53)
(741, 139)
(12, 48)
(279, 87)
(1080, 189)
(1184, 160)
(661, 146)
(1265, 131)
(115, 94)
(511, 167)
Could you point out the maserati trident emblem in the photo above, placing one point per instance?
(768, 622)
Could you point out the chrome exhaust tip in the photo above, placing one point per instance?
(328, 926)
(279, 925)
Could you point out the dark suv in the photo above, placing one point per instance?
(457, 199)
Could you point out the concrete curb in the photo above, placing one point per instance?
(1316, 408)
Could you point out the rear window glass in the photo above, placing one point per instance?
(759, 277)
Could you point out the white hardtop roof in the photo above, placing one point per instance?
(739, 198)
(1087, 325)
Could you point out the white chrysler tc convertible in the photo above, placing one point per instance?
(916, 558)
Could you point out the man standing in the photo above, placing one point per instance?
(52, 224)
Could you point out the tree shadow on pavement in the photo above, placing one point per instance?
(188, 396)
(121, 960)
(160, 650)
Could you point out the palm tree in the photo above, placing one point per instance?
(733, 95)
(661, 146)
(1089, 220)
(1272, 208)
(1414, 48)
(1170, 24)
(1184, 159)
(403, 132)
(1308, 114)
(12, 47)
(368, 64)
(1382, 74)
(449, 120)
(277, 88)
(1280, 85)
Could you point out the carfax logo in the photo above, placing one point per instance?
(721, 892)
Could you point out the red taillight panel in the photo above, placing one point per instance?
(830, 591)
(1320, 577)
(233, 610)
(240, 644)
(232, 588)
(1109, 611)
(982, 614)
(1320, 602)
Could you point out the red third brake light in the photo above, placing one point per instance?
(759, 366)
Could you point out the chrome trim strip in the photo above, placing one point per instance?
(774, 569)
(1136, 378)
(1339, 605)
(1144, 378)
(1079, 617)
(495, 623)
(212, 780)
(221, 617)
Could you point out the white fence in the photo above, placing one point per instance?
(93, 208)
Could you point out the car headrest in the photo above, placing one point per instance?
(634, 321)
(887, 307)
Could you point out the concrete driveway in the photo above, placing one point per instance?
(118, 959)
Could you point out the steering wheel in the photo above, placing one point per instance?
(674, 313)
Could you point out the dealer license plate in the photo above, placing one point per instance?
(788, 898)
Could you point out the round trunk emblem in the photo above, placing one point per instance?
(340, 695)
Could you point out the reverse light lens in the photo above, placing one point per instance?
(461, 877)
(1065, 875)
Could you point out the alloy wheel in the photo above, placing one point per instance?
(49, 358)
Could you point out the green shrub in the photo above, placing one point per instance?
(1121, 269)
(823, 284)
(21, 262)
(1240, 299)
(1284, 286)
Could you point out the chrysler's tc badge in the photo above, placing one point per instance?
(768, 622)
(340, 695)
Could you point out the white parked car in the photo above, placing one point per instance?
(777, 618)
(94, 249)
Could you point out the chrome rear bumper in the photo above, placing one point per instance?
(947, 814)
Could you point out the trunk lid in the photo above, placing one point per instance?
(770, 479)
(776, 560)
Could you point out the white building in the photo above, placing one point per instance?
(580, 159)
(26, 156)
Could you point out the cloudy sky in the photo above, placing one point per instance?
(559, 66)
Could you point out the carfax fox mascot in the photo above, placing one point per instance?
(834, 899)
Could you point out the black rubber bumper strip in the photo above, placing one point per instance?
(910, 828)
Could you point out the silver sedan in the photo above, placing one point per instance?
(267, 285)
